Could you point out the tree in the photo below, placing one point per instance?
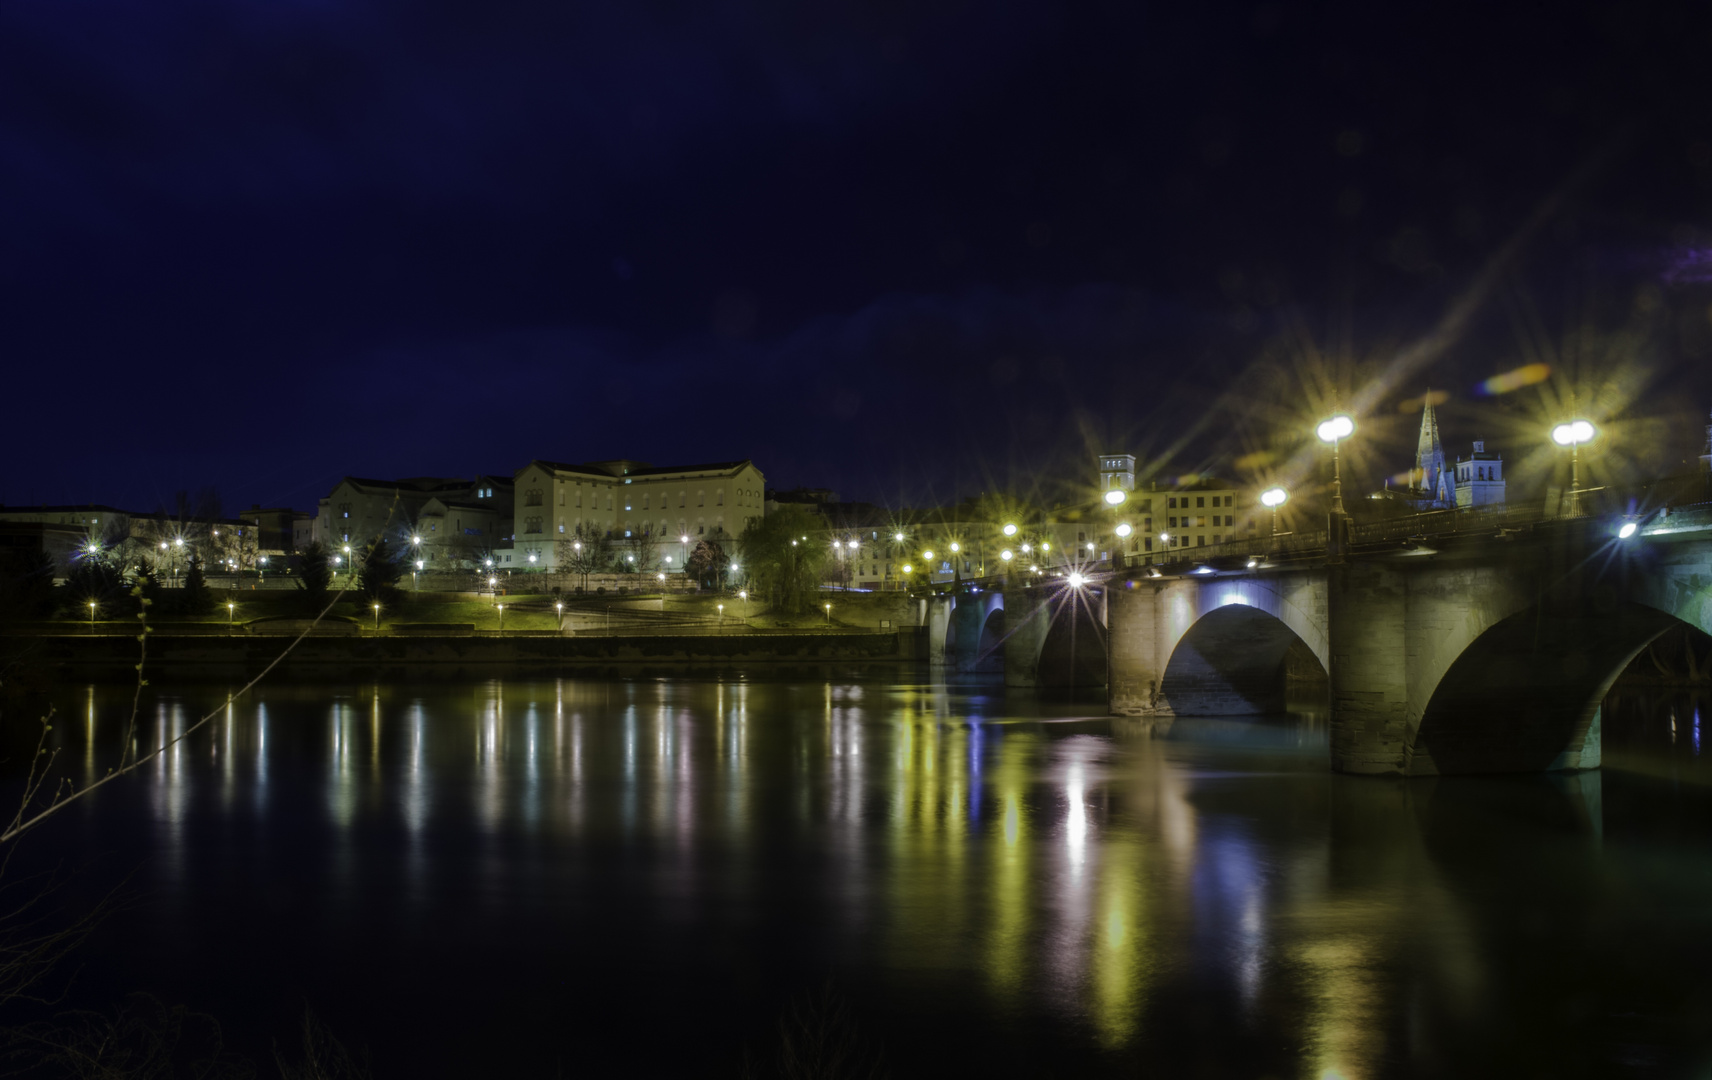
(781, 562)
(93, 579)
(379, 574)
(315, 576)
(587, 550)
(706, 564)
(196, 598)
(637, 554)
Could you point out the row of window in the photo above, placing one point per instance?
(1201, 521)
(1176, 501)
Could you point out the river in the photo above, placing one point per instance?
(641, 877)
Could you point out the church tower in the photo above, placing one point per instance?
(1430, 461)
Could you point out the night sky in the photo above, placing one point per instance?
(909, 251)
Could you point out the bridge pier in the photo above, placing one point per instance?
(1369, 671)
(1138, 648)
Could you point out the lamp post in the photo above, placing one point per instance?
(1572, 435)
(744, 596)
(721, 608)
(501, 617)
(828, 614)
(416, 585)
(1332, 432)
(231, 612)
(377, 618)
(1273, 498)
(559, 605)
(92, 616)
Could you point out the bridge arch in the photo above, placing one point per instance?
(1524, 692)
(1234, 661)
(973, 634)
(1072, 639)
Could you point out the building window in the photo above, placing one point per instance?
(532, 525)
(1200, 501)
(1200, 541)
(532, 497)
(1173, 503)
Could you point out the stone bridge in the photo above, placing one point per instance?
(1478, 649)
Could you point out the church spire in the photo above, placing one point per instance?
(1429, 456)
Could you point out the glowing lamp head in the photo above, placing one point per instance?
(1274, 497)
(908, 568)
(1338, 427)
(742, 596)
(178, 541)
(683, 539)
(1006, 555)
(1627, 530)
(419, 564)
(1045, 546)
(531, 556)
(1076, 580)
(1573, 433)
(415, 539)
(955, 548)
(1124, 529)
(899, 537)
(1010, 530)
(1115, 497)
(927, 554)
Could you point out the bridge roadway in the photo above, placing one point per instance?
(1455, 642)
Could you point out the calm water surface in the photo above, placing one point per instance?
(634, 877)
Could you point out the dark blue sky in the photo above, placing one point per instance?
(904, 250)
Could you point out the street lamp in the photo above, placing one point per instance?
(1572, 435)
(1332, 432)
(92, 616)
(414, 582)
(559, 606)
(828, 613)
(231, 609)
(1115, 497)
(377, 618)
(743, 595)
(721, 608)
(1076, 580)
(501, 618)
(1273, 498)
(1009, 530)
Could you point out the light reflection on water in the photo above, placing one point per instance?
(991, 880)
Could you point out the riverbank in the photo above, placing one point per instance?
(48, 656)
